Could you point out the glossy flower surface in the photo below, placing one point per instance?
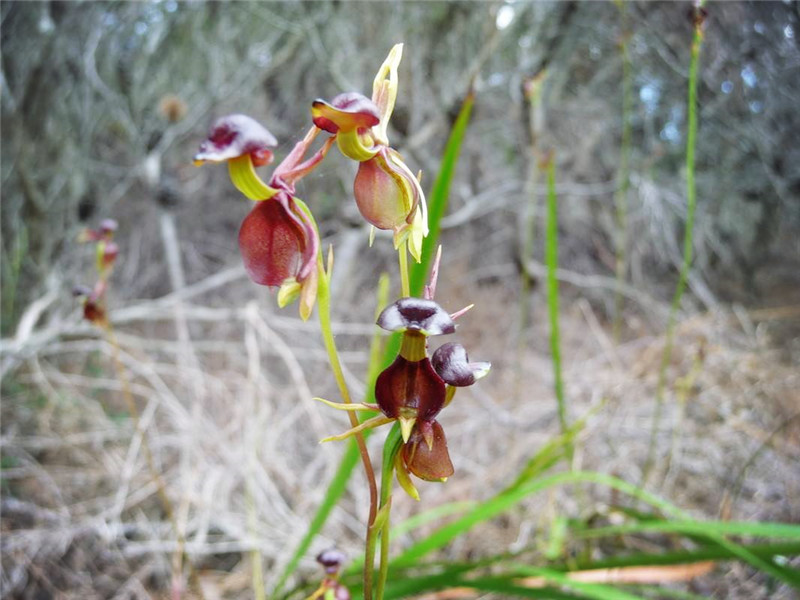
(430, 463)
(276, 242)
(410, 389)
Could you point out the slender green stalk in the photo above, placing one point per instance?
(350, 458)
(390, 449)
(688, 240)
(623, 175)
(402, 255)
(551, 255)
(324, 312)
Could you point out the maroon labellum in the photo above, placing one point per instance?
(276, 242)
(410, 389)
(429, 463)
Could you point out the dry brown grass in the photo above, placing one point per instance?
(229, 417)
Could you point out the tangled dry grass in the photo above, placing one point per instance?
(224, 390)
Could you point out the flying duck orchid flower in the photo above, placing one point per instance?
(415, 388)
(106, 253)
(387, 192)
(278, 240)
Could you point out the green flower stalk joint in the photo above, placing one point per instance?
(278, 239)
(387, 193)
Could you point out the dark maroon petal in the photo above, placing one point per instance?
(237, 135)
(452, 364)
(430, 464)
(410, 389)
(349, 111)
(93, 312)
(416, 314)
(271, 243)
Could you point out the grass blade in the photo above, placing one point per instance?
(551, 255)
(437, 200)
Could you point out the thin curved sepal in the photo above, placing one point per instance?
(368, 424)
(351, 407)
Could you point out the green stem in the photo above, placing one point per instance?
(688, 239)
(551, 255)
(623, 177)
(390, 449)
(324, 312)
(403, 259)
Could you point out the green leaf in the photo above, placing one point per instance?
(505, 500)
(595, 591)
(774, 530)
(438, 198)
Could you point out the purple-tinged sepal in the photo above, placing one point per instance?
(416, 314)
(451, 363)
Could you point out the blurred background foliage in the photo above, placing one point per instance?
(103, 106)
(104, 103)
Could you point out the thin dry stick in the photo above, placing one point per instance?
(166, 503)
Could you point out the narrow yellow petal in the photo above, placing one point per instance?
(406, 425)
(353, 407)
(368, 424)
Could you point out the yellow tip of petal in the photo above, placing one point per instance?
(406, 425)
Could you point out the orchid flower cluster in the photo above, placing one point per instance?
(280, 246)
(106, 252)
